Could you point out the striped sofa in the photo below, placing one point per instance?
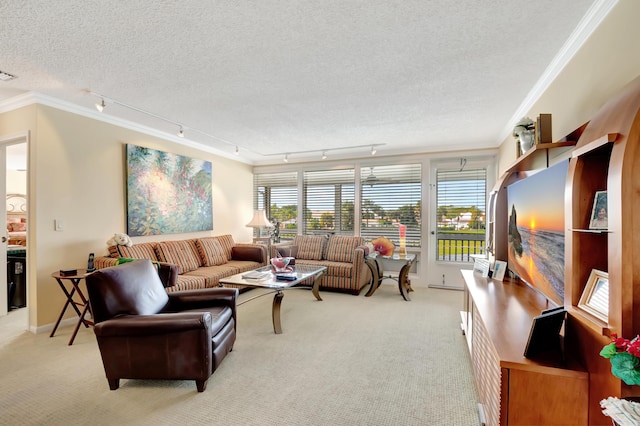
(342, 255)
(201, 262)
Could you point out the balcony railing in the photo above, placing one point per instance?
(459, 247)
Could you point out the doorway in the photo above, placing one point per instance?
(13, 250)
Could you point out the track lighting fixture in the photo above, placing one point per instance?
(102, 104)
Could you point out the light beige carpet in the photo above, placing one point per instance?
(348, 360)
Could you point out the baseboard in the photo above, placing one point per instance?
(444, 287)
(48, 327)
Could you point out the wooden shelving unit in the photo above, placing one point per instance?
(606, 156)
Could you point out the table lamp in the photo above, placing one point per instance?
(260, 221)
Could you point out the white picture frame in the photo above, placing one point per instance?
(595, 297)
(481, 266)
(499, 268)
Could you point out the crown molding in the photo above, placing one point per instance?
(31, 98)
(589, 23)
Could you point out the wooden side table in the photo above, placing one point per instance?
(70, 285)
(377, 273)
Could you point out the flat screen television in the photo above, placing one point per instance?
(536, 230)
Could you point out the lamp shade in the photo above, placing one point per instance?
(259, 220)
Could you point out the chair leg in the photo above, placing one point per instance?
(114, 383)
(201, 385)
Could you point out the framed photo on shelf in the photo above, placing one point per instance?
(599, 211)
(499, 269)
(595, 297)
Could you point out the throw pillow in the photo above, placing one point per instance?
(310, 247)
(211, 251)
(17, 227)
(137, 251)
(182, 253)
(227, 243)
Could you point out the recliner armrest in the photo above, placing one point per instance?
(148, 325)
(202, 298)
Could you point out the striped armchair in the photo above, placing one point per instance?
(342, 255)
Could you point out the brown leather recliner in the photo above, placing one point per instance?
(143, 332)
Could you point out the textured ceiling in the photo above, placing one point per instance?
(276, 76)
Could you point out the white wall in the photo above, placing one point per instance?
(607, 61)
(16, 182)
(77, 176)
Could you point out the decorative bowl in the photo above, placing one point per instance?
(280, 264)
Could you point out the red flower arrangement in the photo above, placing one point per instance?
(624, 355)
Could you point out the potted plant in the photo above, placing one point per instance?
(624, 355)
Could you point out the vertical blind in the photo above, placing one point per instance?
(391, 195)
(460, 213)
(328, 201)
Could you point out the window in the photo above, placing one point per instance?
(328, 202)
(460, 213)
(277, 194)
(391, 195)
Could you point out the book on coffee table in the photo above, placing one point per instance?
(255, 275)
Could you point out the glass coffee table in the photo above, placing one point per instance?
(269, 280)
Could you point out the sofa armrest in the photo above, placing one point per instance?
(101, 262)
(147, 325)
(251, 252)
(202, 298)
(358, 255)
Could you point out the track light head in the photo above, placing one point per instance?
(286, 158)
(373, 150)
(237, 150)
(324, 155)
(101, 106)
(181, 132)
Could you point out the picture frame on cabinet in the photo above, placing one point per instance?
(599, 211)
(595, 297)
(499, 268)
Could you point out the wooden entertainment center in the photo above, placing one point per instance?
(497, 315)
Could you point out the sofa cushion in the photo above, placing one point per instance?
(310, 247)
(138, 251)
(182, 253)
(341, 248)
(211, 251)
(227, 243)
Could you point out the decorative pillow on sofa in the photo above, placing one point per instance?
(341, 248)
(227, 243)
(137, 251)
(310, 247)
(211, 251)
(182, 253)
(19, 227)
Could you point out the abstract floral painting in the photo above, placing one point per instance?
(167, 193)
